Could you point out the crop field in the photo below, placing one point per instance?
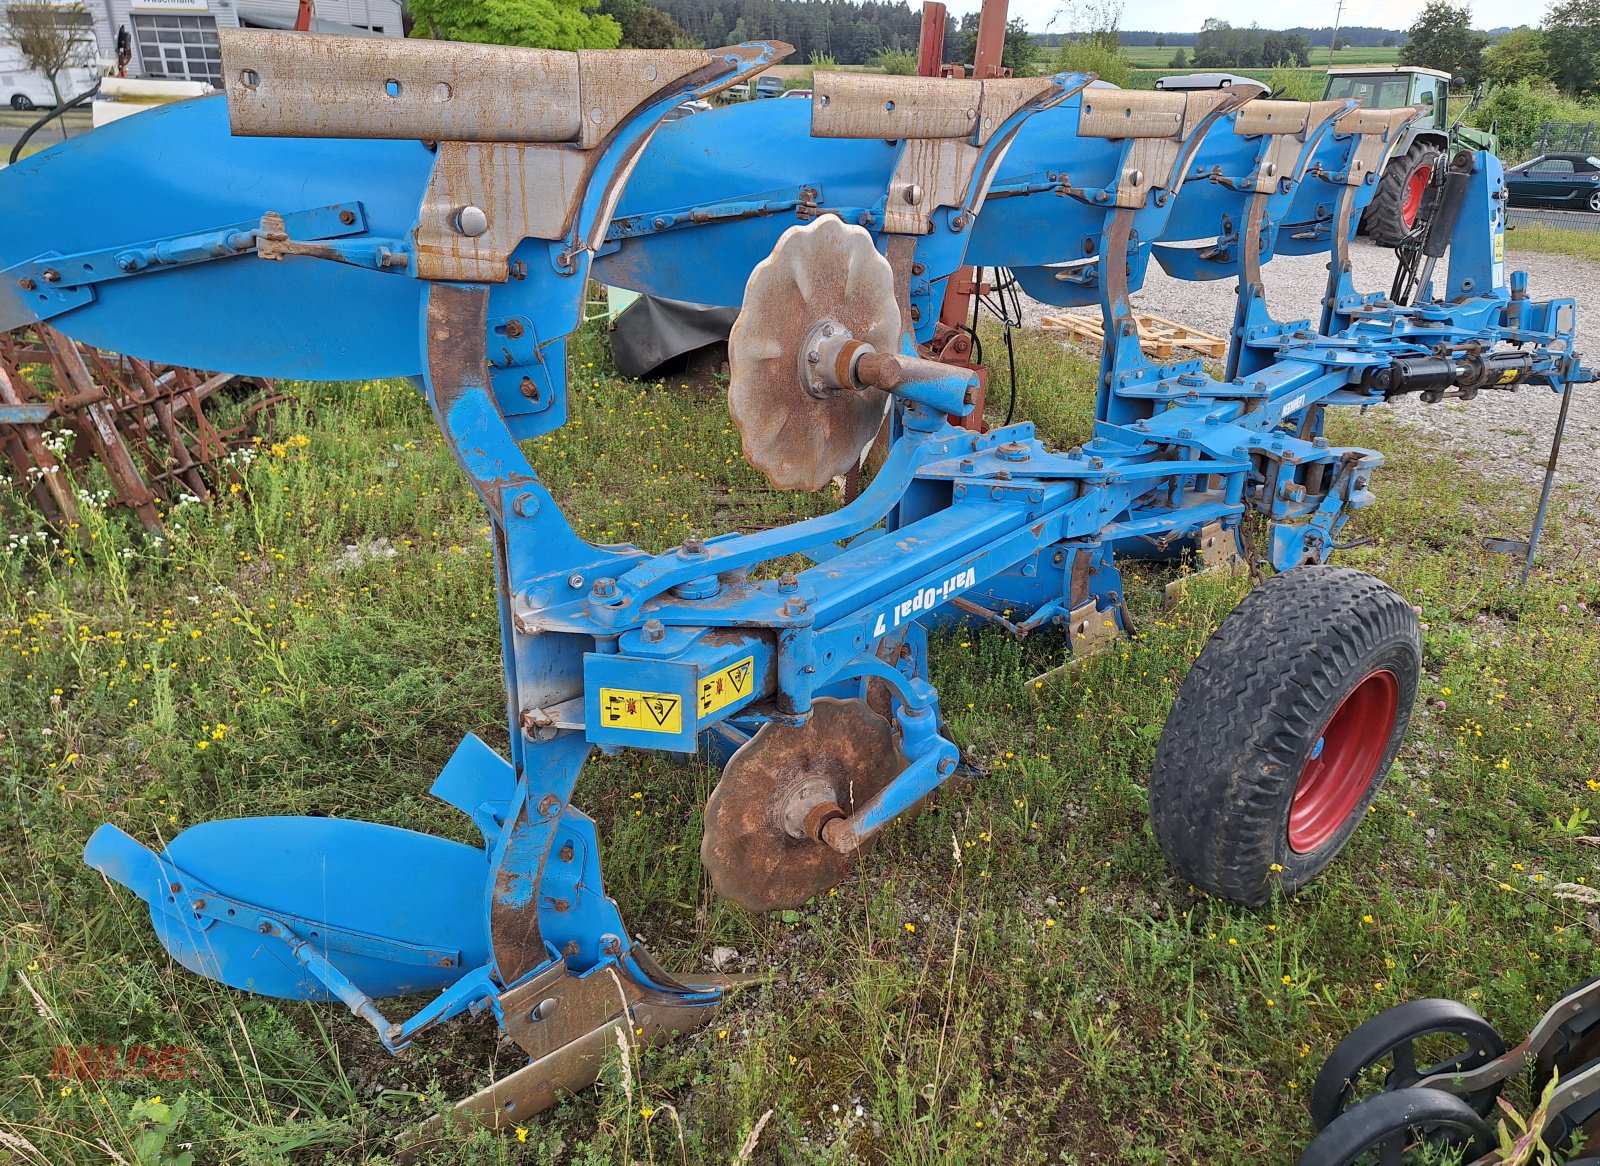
(1012, 976)
(1151, 57)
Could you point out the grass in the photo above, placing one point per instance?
(1553, 240)
(1151, 57)
(1014, 976)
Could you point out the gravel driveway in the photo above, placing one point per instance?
(1508, 432)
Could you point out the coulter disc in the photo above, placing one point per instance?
(824, 275)
(758, 846)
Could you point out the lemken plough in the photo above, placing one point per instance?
(380, 208)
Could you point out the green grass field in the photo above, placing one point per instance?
(1014, 976)
(1150, 57)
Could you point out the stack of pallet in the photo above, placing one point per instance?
(1157, 336)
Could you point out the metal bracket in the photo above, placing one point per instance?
(52, 284)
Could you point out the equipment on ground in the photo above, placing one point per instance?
(1432, 137)
(388, 208)
(1420, 1082)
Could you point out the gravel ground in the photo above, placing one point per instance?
(1508, 433)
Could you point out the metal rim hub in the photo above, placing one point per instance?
(1344, 761)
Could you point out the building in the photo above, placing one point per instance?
(177, 39)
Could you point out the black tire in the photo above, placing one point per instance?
(1594, 201)
(1263, 713)
(1404, 1118)
(1385, 217)
(1388, 1041)
(21, 102)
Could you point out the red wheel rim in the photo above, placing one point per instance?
(1343, 762)
(1415, 186)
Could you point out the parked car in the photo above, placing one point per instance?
(1560, 180)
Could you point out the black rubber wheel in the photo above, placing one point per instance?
(1594, 201)
(1283, 731)
(1392, 213)
(21, 102)
(1405, 1044)
(1406, 1126)
(1575, 1042)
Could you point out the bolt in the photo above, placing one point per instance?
(470, 221)
(128, 263)
(1185, 433)
(175, 887)
(514, 328)
(916, 312)
(813, 357)
(604, 587)
(519, 270)
(347, 217)
(610, 945)
(1320, 442)
(911, 193)
(525, 504)
(548, 805)
(1012, 451)
(794, 607)
(959, 223)
(659, 224)
(865, 218)
(654, 631)
(918, 268)
(966, 465)
(788, 582)
(1135, 177)
(264, 927)
(693, 545)
(529, 389)
(575, 581)
(567, 852)
(197, 905)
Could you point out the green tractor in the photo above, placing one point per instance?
(1392, 214)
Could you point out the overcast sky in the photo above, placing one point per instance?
(1162, 15)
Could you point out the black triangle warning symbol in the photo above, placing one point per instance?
(661, 707)
(739, 676)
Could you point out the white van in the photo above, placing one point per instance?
(22, 88)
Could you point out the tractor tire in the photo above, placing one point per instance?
(1392, 214)
(1283, 731)
(21, 102)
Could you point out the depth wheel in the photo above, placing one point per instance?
(1392, 214)
(1398, 1048)
(1283, 731)
(1395, 1129)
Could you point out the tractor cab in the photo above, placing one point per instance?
(1383, 87)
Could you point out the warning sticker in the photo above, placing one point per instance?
(650, 712)
(721, 689)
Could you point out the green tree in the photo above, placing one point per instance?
(1519, 57)
(1180, 59)
(1443, 38)
(1388, 42)
(1019, 54)
(541, 24)
(1572, 42)
(645, 26)
(51, 39)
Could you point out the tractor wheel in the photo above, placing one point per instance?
(1284, 730)
(21, 102)
(1392, 214)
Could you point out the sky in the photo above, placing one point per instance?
(1164, 16)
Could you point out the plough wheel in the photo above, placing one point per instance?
(1284, 730)
(1400, 1047)
(1401, 1128)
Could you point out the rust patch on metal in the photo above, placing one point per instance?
(844, 748)
(145, 424)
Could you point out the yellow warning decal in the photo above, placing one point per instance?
(721, 689)
(1499, 246)
(1509, 376)
(649, 712)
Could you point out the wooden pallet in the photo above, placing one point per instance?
(1158, 337)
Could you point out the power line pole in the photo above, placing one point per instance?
(1334, 39)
